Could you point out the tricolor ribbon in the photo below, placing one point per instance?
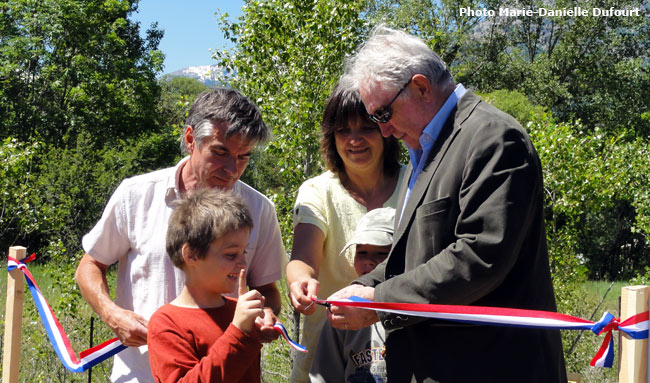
(60, 341)
(282, 330)
(55, 332)
(635, 326)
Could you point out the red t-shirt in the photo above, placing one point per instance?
(201, 345)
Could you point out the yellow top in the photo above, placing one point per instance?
(324, 202)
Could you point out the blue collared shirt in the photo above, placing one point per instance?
(429, 136)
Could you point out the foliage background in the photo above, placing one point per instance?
(81, 109)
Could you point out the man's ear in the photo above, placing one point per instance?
(189, 254)
(423, 87)
(188, 138)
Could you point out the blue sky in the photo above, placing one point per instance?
(190, 28)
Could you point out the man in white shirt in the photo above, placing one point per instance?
(222, 129)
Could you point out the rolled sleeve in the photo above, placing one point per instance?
(309, 207)
(108, 240)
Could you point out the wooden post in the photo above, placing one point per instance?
(574, 377)
(633, 367)
(13, 319)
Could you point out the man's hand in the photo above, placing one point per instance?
(301, 293)
(352, 318)
(265, 324)
(272, 308)
(130, 328)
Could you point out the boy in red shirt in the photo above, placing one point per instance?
(202, 336)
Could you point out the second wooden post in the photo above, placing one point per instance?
(633, 367)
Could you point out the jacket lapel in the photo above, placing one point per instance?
(403, 187)
(452, 126)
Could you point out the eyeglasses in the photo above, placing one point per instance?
(384, 113)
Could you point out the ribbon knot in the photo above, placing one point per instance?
(607, 323)
(13, 263)
(605, 355)
(635, 327)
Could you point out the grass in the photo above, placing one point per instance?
(40, 364)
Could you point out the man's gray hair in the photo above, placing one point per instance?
(391, 57)
(223, 105)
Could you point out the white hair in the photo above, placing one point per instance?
(391, 57)
(202, 130)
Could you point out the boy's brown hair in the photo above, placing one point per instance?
(202, 218)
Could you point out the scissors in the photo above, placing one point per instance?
(323, 303)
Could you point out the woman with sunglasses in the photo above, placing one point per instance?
(363, 174)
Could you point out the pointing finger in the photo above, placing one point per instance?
(242, 283)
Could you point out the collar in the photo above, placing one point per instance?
(173, 183)
(433, 128)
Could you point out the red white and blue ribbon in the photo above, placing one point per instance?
(60, 341)
(635, 326)
(282, 330)
(55, 332)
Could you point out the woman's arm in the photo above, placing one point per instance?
(303, 269)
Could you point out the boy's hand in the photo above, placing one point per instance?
(250, 305)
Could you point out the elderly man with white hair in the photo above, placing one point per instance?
(469, 226)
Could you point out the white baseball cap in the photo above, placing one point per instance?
(374, 228)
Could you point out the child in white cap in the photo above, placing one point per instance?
(358, 355)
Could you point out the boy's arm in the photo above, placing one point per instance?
(173, 359)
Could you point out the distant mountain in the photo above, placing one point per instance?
(207, 74)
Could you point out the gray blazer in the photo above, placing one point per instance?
(471, 233)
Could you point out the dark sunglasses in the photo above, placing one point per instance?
(383, 114)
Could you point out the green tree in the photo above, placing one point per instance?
(16, 212)
(68, 66)
(78, 94)
(176, 96)
(52, 196)
(515, 104)
(597, 194)
(587, 68)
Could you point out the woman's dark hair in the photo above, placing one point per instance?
(344, 106)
